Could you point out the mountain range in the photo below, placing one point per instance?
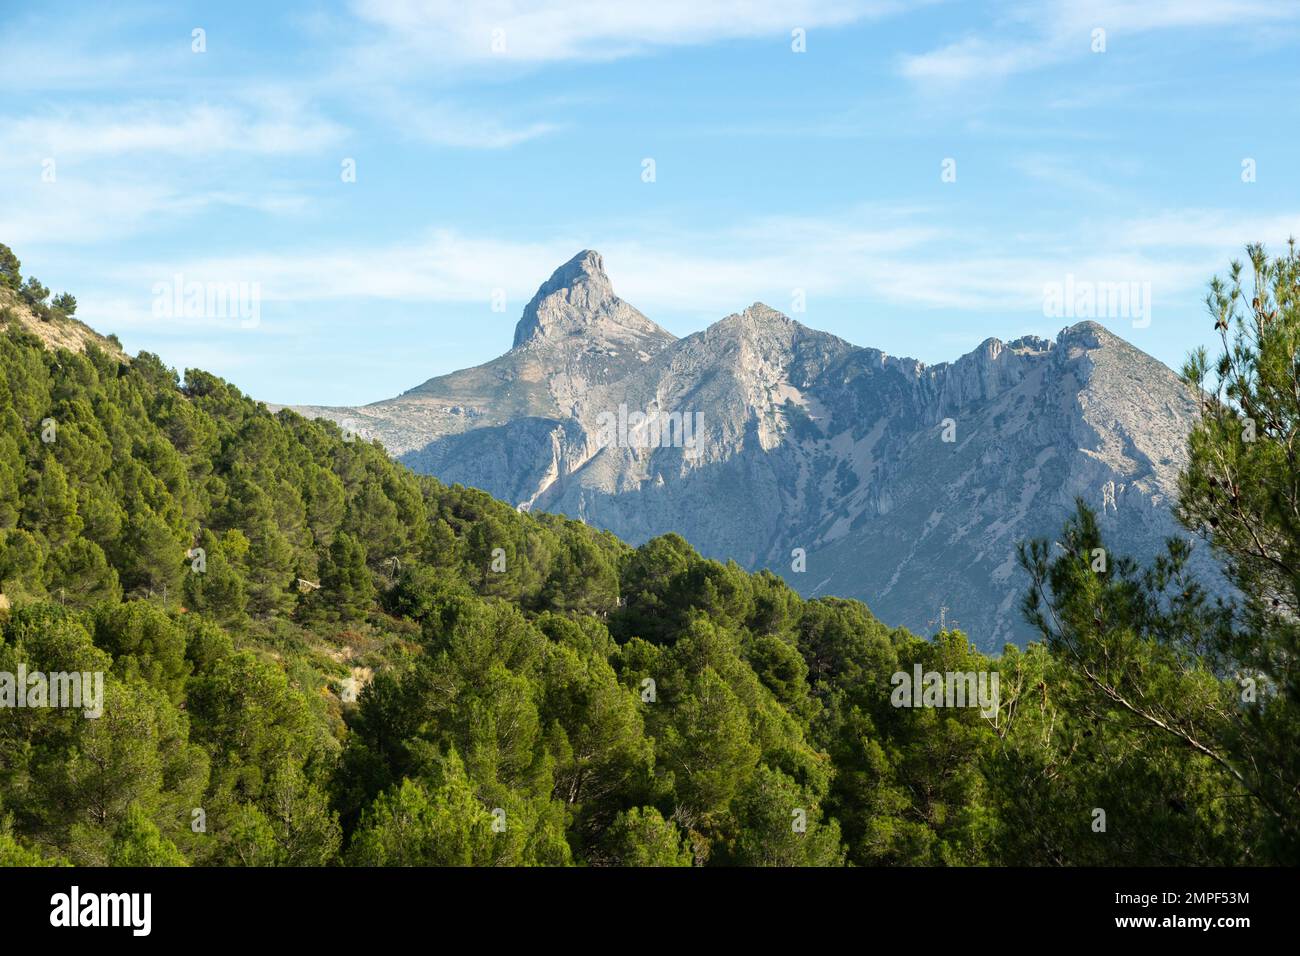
(845, 470)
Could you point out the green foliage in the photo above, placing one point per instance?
(33, 293)
(346, 587)
(10, 268)
(144, 642)
(13, 853)
(137, 842)
(535, 692)
(780, 824)
(216, 586)
(640, 836)
(413, 826)
(1188, 708)
(65, 303)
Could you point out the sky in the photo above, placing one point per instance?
(383, 184)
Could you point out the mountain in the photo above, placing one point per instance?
(905, 485)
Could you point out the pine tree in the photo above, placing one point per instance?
(137, 842)
(412, 825)
(1241, 490)
(79, 573)
(10, 268)
(1222, 682)
(642, 837)
(346, 587)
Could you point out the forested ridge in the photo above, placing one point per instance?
(534, 692)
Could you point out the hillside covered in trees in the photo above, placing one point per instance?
(315, 657)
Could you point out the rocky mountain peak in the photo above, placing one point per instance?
(588, 267)
(1090, 334)
(578, 300)
(757, 320)
(760, 312)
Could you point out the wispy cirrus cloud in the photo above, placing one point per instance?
(1031, 36)
(900, 256)
(107, 172)
(446, 123)
(198, 129)
(1210, 229)
(83, 211)
(394, 47)
(527, 31)
(1063, 172)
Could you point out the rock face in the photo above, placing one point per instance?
(905, 485)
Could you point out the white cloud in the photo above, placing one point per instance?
(976, 56)
(719, 272)
(446, 124)
(78, 211)
(1040, 34)
(121, 170)
(1211, 230)
(538, 32)
(172, 128)
(440, 267)
(889, 255)
(1062, 172)
(39, 52)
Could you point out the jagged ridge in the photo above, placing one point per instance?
(807, 441)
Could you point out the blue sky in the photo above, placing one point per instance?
(127, 159)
